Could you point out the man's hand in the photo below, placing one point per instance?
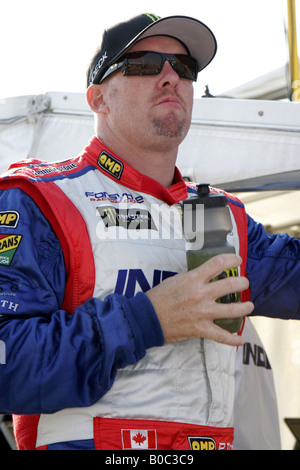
(186, 303)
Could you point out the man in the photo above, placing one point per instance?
(110, 343)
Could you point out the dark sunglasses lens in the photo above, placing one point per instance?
(151, 63)
(143, 63)
(186, 67)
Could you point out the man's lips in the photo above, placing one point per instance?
(170, 100)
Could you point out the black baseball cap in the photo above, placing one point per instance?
(197, 38)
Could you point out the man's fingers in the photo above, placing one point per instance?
(232, 310)
(216, 265)
(228, 285)
(220, 335)
(186, 304)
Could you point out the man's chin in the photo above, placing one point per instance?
(170, 126)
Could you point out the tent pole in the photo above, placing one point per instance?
(293, 51)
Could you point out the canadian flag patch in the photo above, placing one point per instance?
(139, 439)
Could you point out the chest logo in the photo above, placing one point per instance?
(130, 219)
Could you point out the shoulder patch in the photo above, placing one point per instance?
(9, 219)
(8, 247)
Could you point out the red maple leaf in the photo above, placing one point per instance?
(139, 438)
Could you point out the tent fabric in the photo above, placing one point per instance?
(241, 140)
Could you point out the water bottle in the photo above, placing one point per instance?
(206, 225)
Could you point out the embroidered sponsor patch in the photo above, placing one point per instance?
(202, 443)
(130, 219)
(8, 247)
(54, 169)
(111, 165)
(139, 439)
(9, 219)
(114, 197)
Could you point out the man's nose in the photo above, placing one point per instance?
(168, 75)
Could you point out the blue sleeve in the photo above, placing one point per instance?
(273, 269)
(54, 360)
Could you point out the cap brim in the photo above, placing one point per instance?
(196, 36)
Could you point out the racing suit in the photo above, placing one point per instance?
(87, 367)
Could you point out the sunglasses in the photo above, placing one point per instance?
(151, 63)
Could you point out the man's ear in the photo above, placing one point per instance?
(95, 99)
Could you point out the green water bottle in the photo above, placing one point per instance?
(206, 225)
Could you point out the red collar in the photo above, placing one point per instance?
(117, 169)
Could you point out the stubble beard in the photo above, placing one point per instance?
(169, 126)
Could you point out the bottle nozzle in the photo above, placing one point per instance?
(202, 189)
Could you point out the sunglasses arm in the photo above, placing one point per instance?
(113, 69)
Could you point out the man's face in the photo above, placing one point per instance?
(150, 111)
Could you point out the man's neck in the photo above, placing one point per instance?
(158, 165)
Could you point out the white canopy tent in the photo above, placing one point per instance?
(238, 145)
(251, 147)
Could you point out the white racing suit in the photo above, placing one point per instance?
(95, 372)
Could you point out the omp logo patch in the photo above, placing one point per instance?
(8, 247)
(111, 165)
(202, 443)
(9, 219)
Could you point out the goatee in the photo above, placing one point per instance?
(170, 126)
